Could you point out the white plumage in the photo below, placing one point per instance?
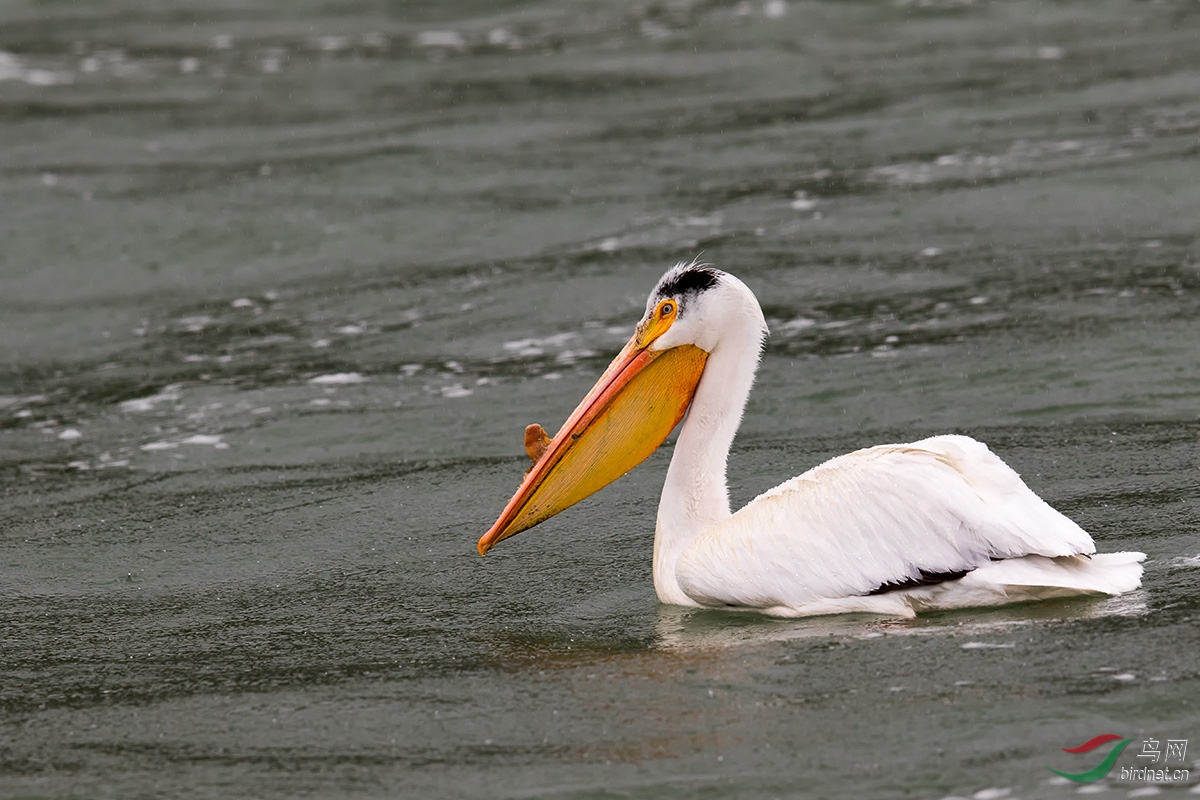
(894, 529)
(893, 515)
(884, 516)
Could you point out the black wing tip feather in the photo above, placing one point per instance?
(926, 578)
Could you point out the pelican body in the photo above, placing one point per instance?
(894, 529)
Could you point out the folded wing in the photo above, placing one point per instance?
(876, 520)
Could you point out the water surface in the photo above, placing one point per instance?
(280, 287)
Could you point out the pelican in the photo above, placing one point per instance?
(894, 529)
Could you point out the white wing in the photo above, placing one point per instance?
(887, 516)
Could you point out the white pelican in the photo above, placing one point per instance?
(893, 529)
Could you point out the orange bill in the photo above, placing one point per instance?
(637, 402)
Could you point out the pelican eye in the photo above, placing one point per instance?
(666, 309)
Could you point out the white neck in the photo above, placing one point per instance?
(695, 495)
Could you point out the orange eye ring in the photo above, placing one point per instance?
(657, 323)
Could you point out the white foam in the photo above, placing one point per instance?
(988, 646)
(195, 324)
(555, 340)
(332, 44)
(452, 40)
(697, 221)
(339, 378)
(802, 202)
(797, 324)
(11, 69)
(164, 395)
(213, 440)
(775, 9)
(991, 794)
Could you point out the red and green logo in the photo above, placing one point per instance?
(1104, 767)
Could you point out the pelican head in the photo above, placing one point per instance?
(640, 398)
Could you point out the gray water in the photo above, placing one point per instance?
(281, 285)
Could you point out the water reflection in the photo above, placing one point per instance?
(679, 628)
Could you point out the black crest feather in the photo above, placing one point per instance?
(691, 279)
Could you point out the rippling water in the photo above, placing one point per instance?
(281, 286)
